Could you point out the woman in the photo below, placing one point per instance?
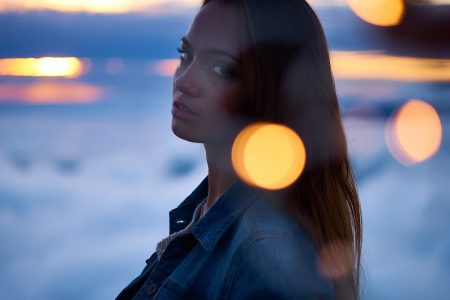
(243, 61)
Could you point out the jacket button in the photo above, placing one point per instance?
(152, 289)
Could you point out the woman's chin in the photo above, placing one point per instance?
(184, 133)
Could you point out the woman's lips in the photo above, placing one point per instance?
(181, 111)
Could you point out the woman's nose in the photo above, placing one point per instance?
(187, 80)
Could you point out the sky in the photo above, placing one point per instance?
(120, 6)
(125, 5)
(152, 6)
(109, 6)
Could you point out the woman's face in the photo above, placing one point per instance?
(207, 79)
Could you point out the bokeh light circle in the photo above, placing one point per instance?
(44, 67)
(379, 12)
(270, 156)
(414, 133)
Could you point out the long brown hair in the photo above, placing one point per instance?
(287, 79)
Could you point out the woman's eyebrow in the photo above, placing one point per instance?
(212, 51)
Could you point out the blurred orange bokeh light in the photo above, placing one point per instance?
(51, 92)
(379, 12)
(414, 134)
(44, 66)
(374, 65)
(269, 156)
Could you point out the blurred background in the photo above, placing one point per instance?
(89, 167)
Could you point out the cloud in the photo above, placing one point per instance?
(86, 233)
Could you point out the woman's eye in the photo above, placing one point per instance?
(224, 71)
(184, 55)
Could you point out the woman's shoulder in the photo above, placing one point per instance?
(275, 258)
(263, 219)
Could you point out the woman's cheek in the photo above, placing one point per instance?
(233, 101)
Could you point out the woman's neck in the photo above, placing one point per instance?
(220, 172)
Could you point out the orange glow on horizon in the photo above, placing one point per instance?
(379, 12)
(121, 6)
(269, 156)
(414, 133)
(51, 92)
(102, 7)
(44, 67)
(372, 65)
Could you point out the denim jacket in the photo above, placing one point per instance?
(242, 248)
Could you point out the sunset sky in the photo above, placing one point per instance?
(117, 6)
(358, 51)
(145, 6)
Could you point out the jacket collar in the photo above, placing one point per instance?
(180, 217)
(219, 217)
